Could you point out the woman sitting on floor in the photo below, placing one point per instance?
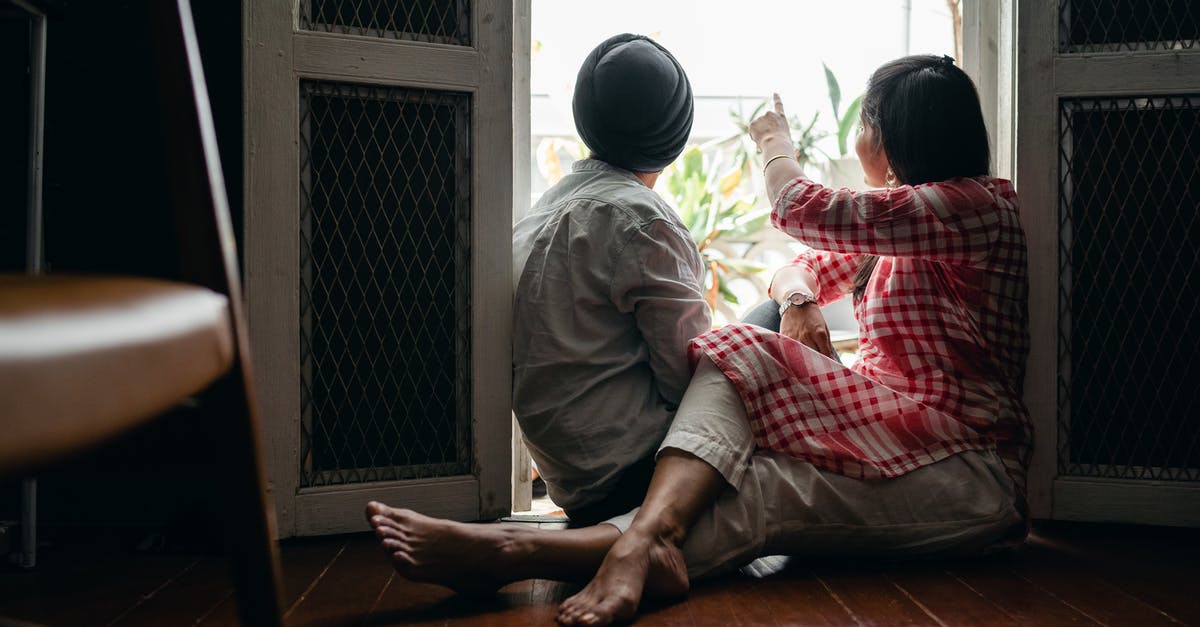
(919, 449)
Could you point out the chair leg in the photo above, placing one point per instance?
(28, 523)
(249, 540)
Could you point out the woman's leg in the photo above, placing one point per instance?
(682, 488)
(715, 506)
(705, 452)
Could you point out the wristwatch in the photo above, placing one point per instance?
(796, 298)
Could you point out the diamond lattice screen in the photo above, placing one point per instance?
(1114, 25)
(1129, 251)
(434, 21)
(384, 257)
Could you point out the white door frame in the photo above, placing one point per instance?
(1043, 75)
(277, 56)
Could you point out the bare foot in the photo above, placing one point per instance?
(637, 563)
(467, 558)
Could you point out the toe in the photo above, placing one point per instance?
(381, 522)
(402, 560)
(392, 545)
(568, 611)
(384, 530)
(375, 508)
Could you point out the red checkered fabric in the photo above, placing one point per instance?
(943, 332)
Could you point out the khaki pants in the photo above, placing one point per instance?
(778, 505)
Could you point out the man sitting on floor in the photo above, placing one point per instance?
(608, 288)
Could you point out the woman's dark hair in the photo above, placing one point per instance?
(926, 114)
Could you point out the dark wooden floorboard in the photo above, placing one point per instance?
(193, 593)
(303, 561)
(1065, 575)
(405, 602)
(944, 596)
(709, 603)
(789, 593)
(992, 579)
(80, 583)
(352, 585)
(1075, 583)
(1159, 566)
(871, 596)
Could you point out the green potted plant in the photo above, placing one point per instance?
(706, 190)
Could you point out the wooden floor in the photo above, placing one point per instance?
(1067, 574)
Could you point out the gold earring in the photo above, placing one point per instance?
(890, 179)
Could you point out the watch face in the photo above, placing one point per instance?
(795, 300)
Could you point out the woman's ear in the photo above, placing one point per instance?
(873, 158)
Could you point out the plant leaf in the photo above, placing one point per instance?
(714, 286)
(748, 224)
(743, 266)
(835, 91)
(693, 161)
(730, 181)
(723, 288)
(846, 124)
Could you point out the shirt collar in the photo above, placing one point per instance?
(596, 165)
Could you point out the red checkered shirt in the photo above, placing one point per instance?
(943, 332)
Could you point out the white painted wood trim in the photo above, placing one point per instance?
(1036, 178)
(989, 58)
(522, 466)
(1004, 148)
(522, 41)
(339, 509)
(1118, 74)
(522, 486)
(491, 244)
(387, 62)
(980, 33)
(271, 193)
(1170, 503)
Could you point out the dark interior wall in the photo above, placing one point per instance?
(14, 137)
(106, 212)
(104, 176)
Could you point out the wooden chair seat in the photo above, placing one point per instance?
(83, 359)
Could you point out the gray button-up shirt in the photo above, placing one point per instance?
(608, 293)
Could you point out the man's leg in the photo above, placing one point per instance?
(472, 557)
(765, 315)
(483, 557)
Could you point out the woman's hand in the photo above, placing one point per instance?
(770, 131)
(806, 325)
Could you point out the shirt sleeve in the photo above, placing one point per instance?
(954, 221)
(833, 273)
(658, 279)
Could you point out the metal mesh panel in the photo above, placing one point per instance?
(1129, 267)
(434, 21)
(384, 259)
(1114, 25)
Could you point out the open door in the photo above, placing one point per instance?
(1108, 164)
(379, 195)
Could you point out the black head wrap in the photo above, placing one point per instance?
(633, 104)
